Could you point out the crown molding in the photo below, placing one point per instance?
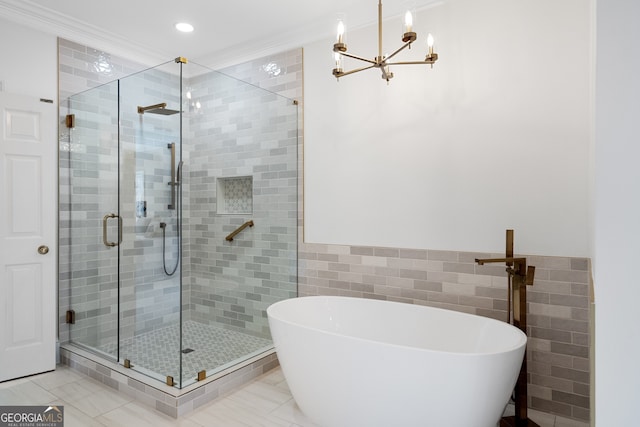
(47, 20)
(52, 22)
(245, 52)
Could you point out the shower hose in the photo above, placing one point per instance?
(179, 234)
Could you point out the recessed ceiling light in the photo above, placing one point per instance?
(184, 27)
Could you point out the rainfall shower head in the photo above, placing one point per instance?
(157, 109)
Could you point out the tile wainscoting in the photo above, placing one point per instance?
(558, 304)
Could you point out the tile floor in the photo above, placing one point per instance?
(265, 402)
(159, 351)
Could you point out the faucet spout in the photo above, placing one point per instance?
(519, 268)
(509, 260)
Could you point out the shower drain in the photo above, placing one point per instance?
(187, 350)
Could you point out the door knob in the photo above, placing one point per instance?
(43, 250)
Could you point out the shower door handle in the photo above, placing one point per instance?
(104, 230)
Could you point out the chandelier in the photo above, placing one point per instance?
(381, 61)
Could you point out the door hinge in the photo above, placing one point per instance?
(71, 317)
(70, 121)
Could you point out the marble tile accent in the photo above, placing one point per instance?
(235, 195)
(204, 347)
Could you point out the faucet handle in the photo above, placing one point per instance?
(531, 271)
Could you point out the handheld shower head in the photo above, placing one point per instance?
(179, 173)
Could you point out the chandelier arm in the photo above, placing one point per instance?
(403, 47)
(346, 73)
(410, 63)
(386, 74)
(358, 57)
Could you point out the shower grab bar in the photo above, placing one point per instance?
(104, 230)
(230, 237)
(173, 182)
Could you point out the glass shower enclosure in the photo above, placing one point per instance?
(178, 219)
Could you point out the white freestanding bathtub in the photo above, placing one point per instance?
(357, 362)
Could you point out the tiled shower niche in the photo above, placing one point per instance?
(235, 195)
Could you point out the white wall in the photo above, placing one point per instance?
(29, 61)
(617, 213)
(495, 136)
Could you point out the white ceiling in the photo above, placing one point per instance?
(226, 32)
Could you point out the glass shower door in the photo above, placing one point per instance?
(150, 206)
(123, 235)
(93, 230)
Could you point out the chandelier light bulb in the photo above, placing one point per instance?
(340, 32)
(408, 22)
(430, 41)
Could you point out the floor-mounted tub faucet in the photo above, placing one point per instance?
(519, 277)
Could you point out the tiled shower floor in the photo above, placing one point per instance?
(213, 347)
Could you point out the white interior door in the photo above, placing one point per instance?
(28, 242)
